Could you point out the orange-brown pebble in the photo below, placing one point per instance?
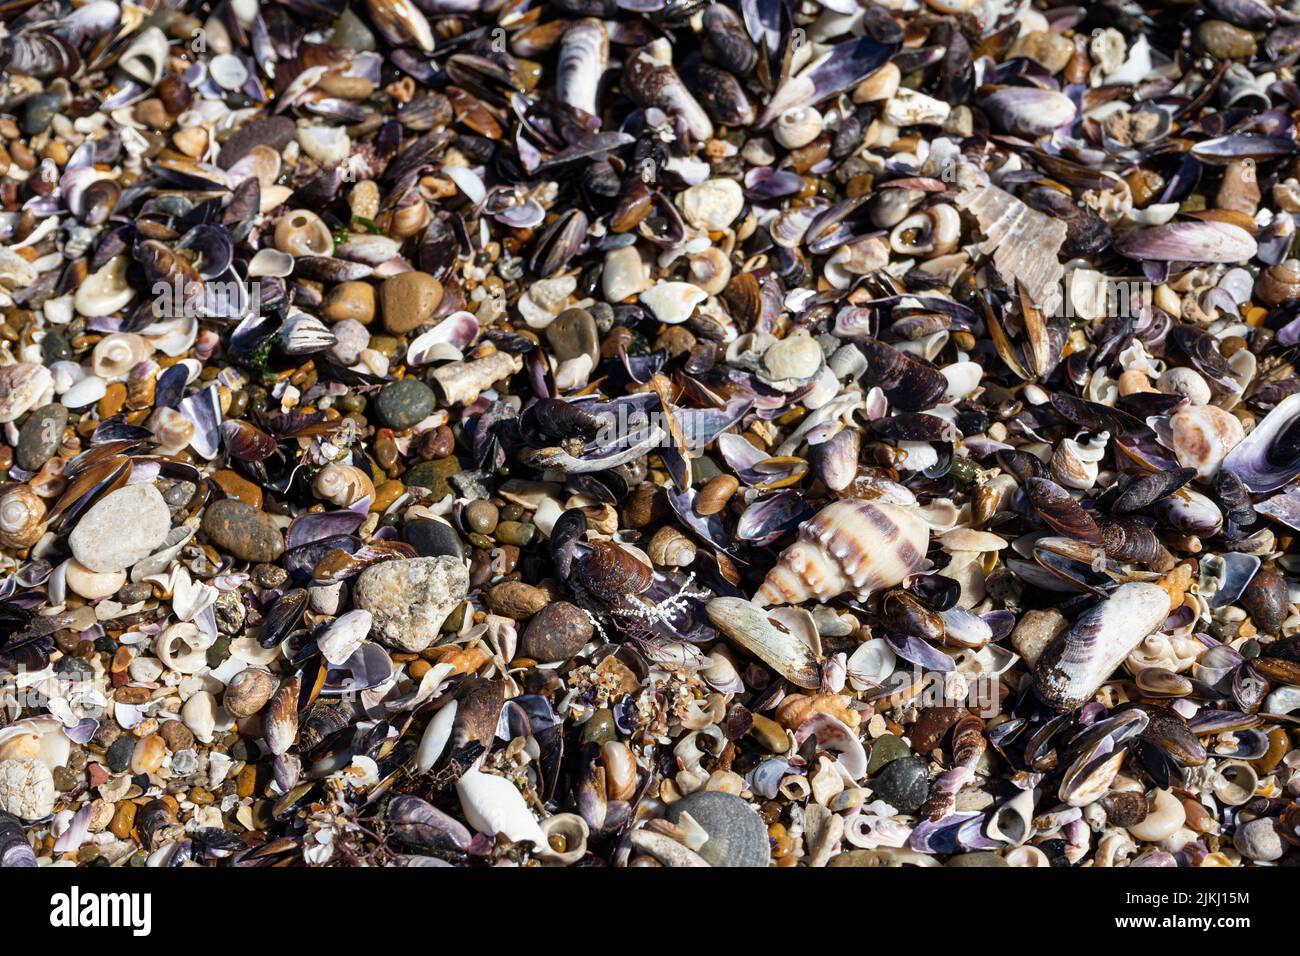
(123, 820)
(386, 494)
(237, 486)
(113, 400)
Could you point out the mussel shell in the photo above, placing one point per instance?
(612, 573)
(1061, 511)
(283, 617)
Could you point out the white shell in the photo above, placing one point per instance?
(494, 805)
(344, 636)
(673, 302)
(434, 740)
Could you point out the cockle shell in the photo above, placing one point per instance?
(851, 545)
(1077, 662)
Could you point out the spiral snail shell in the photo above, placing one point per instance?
(343, 485)
(172, 429)
(797, 127)
(116, 354)
(22, 518)
(851, 545)
(1278, 283)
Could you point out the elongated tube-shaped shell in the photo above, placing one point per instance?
(851, 545)
(1078, 661)
(584, 56)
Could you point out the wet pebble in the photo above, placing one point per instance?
(245, 531)
(121, 528)
(40, 436)
(405, 403)
(556, 633)
(903, 783)
(432, 538)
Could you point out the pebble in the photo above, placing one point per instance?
(1258, 840)
(410, 598)
(520, 533)
(886, 749)
(515, 599)
(351, 339)
(119, 754)
(481, 516)
(713, 205)
(1225, 40)
(903, 783)
(123, 820)
(433, 475)
(574, 334)
(983, 858)
(248, 533)
(556, 633)
(26, 788)
(272, 131)
(795, 357)
(737, 834)
(121, 528)
(38, 111)
(235, 485)
(432, 538)
(404, 403)
(770, 735)
(40, 436)
(350, 301)
(408, 300)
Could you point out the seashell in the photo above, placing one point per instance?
(850, 545)
(613, 573)
(248, 692)
(493, 805)
(1280, 283)
(908, 107)
(417, 823)
(881, 85)
(300, 232)
(342, 638)
(116, 354)
(673, 302)
(1164, 817)
(106, 290)
(1013, 821)
(283, 617)
(797, 127)
(1091, 774)
(401, 23)
(182, 647)
(1202, 436)
(435, 737)
(199, 714)
(1187, 382)
(280, 720)
(758, 632)
(792, 361)
(1209, 241)
(23, 386)
(669, 547)
(342, 485)
(650, 80)
(1075, 664)
(566, 839)
(303, 334)
(710, 269)
(22, 518)
(146, 57)
(173, 430)
(583, 59)
(463, 382)
(1269, 457)
(1075, 462)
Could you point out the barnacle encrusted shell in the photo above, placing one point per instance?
(851, 545)
(1076, 663)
